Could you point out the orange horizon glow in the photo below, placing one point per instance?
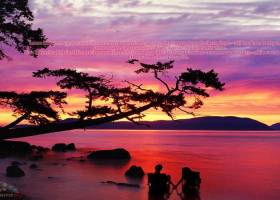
(248, 103)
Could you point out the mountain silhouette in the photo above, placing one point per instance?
(275, 126)
(200, 123)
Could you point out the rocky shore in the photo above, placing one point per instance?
(27, 155)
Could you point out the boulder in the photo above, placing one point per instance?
(14, 171)
(41, 149)
(59, 147)
(135, 172)
(62, 147)
(119, 154)
(71, 147)
(14, 148)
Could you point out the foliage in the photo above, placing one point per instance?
(37, 107)
(16, 28)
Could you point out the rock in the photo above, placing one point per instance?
(62, 147)
(59, 147)
(41, 149)
(122, 184)
(14, 148)
(135, 172)
(33, 166)
(71, 147)
(36, 157)
(14, 171)
(120, 154)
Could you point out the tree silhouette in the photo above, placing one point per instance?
(128, 102)
(16, 28)
(36, 107)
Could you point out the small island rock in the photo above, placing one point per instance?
(59, 147)
(14, 148)
(62, 147)
(71, 147)
(14, 171)
(135, 172)
(120, 154)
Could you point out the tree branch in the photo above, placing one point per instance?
(17, 121)
(162, 81)
(58, 127)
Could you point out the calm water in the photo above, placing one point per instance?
(233, 165)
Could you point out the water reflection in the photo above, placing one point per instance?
(181, 195)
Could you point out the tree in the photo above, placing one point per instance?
(117, 102)
(16, 29)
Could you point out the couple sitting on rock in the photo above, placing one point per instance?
(160, 183)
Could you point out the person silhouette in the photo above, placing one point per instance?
(159, 184)
(190, 181)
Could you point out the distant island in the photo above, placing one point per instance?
(199, 123)
(275, 126)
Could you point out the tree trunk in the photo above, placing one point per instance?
(17, 121)
(57, 127)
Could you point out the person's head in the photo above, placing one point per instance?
(186, 172)
(158, 168)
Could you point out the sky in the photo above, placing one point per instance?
(239, 39)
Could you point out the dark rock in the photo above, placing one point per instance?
(122, 184)
(135, 172)
(36, 157)
(59, 147)
(41, 149)
(120, 154)
(71, 147)
(33, 166)
(14, 171)
(14, 148)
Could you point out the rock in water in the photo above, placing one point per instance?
(14, 148)
(59, 147)
(120, 154)
(135, 172)
(71, 147)
(14, 171)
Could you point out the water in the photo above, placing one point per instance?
(234, 165)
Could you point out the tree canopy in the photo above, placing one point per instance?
(106, 102)
(16, 29)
